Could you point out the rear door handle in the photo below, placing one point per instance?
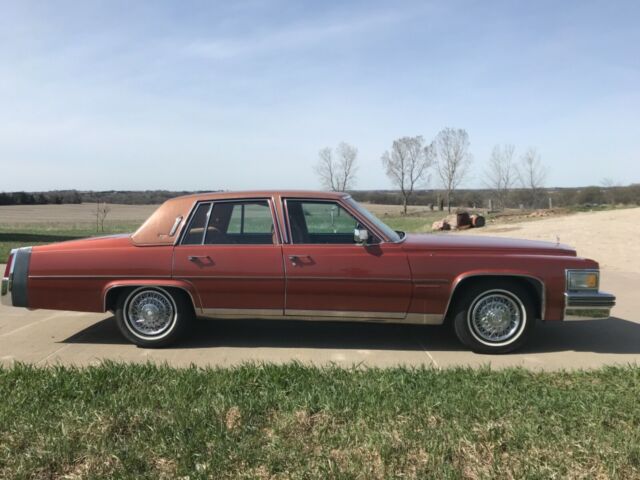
(197, 258)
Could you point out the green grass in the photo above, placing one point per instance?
(419, 223)
(144, 421)
(14, 236)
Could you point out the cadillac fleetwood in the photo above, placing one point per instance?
(306, 256)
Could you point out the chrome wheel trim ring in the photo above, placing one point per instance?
(150, 313)
(496, 318)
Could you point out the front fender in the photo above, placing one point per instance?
(503, 273)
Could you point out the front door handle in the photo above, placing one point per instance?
(297, 259)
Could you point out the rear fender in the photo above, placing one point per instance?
(180, 284)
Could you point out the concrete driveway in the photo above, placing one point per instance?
(51, 337)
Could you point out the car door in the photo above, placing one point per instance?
(231, 253)
(329, 275)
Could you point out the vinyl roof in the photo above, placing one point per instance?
(158, 227)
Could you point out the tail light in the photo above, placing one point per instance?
(7, 269)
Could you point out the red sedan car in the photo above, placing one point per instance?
(307, 256)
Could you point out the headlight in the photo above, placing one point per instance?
(583, 279)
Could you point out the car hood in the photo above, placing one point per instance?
(457, 242)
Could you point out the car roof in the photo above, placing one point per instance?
(159, 229)
(262, 193)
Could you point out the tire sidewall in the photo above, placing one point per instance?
(462, 316)
(167, 336)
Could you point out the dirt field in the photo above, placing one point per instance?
(610, 237)
(71, 214)
(86, 213)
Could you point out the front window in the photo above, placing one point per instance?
(321, 222)
(391, 234)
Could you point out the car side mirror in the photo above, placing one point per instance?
(361, 236)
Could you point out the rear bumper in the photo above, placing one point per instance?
(5, 292)
(13, 290)
(588, 306)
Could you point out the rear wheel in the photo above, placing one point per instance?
(152, 316)
(494, 316)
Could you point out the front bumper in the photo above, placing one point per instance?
(588, 305)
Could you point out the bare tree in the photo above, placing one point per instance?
(408, 164)
(609, 182)
(501, 172)
(347, 155)
(532, 174)
(610, 186)
(453, 159)
(102, 210)
(325, 169)
(337, 174)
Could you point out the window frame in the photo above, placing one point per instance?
(212, 202)
(373, 231)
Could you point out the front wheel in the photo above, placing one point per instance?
(494, 317)
(152, 317)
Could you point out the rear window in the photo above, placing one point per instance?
(248, 222)
(195, 231)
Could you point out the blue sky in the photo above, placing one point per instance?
(242, 95)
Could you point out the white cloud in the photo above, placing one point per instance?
(293, 37)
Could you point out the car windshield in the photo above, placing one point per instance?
(389, 232)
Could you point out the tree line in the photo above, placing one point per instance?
(511, 179)
(482, 198)
(148, 197)
(606, 193)
(408, 164)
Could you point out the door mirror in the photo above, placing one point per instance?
(361, 236)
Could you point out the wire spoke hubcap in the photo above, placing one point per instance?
(150, 312)
(496, 317)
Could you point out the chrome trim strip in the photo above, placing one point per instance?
(176, 224)
(129, 277)
(588, 306)
(292, 278)
(280, 216)
(578, 314)
(345, 313)
(205, 230)
(230, 277)
(349, 279)
(424, 318)
(7, 282)
(242, 312)
(185, 225)
(324, 315)
(119, 285)
(543, 300)
(276, 221)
